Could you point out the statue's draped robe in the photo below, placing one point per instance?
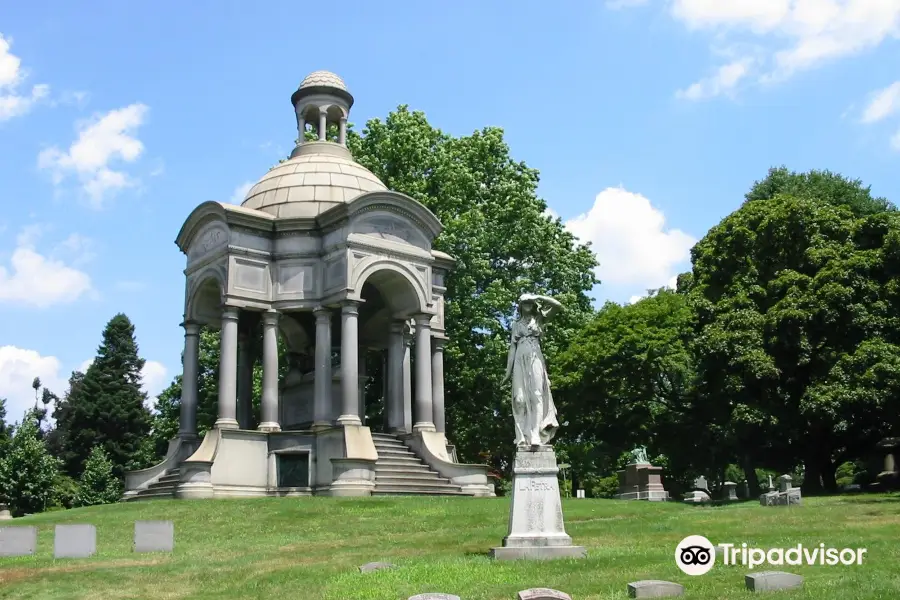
(532, 403)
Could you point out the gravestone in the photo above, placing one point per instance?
(432, 596)
(889, 477)
(579, 493)
(74, 541)
(375, 566)
(640, 480)
(700, 484)
(745, 489)
(154, 536)
(5, 515)
(654, 588)
(730, 488)
(536, 528)
(18, 541)
(770, 581)
(542, 594)
(786, 494)
(697, 497)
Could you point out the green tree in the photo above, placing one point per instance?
(107, 407)
(5, 430)
(27, 470)
(98, 484)
(796, 332)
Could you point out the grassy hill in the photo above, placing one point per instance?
(310, 548)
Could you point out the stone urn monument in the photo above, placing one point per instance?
(536, 529)
(5, 515)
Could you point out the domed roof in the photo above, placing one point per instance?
(321, 175)
(323, 78)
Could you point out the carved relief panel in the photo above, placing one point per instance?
(209, 240)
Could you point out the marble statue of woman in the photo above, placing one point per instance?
(532, 404)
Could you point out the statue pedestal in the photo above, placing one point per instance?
(536, 529)
(641, 482)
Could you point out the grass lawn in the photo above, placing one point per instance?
(310, 548)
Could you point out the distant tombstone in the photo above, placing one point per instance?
(375, 566)
(74, 541)
(785, 482)
(432, 596)
(654, 588)
(154, 536)
(700, 483)
(579, 493)
(542, 594)
(745, 489)
(18, 541)
(730, 490)
(770, 581)
(5, 515)
(697, 497)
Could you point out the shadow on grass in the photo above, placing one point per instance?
(482, 554)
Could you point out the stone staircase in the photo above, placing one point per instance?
(399, 472)
(162, 488)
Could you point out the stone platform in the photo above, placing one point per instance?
(536, 528)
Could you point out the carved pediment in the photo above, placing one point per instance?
(391, 227)
(211, 238)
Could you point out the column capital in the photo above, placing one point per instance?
(398, 326)
(322, 313)
(423, 320)
(230, 313)
(350, 307)
(270, 317)
(191, 328)
(438, 343)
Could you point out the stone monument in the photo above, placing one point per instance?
(536, 528)
(786, 495)
(640, 480)
(889, 477)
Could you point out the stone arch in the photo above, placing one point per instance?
(205, 297)
(403, 292)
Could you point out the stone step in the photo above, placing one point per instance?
(145, 495)
(384, 436)
(433, 484)
(412, 491)
(162, 485)
(398, 461)
(409, 477)
(173, 478)
(410, 468)
(385, 444)
(394, 452)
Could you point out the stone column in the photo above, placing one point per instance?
(245, 382)
(228, 369)
(269, 404)
(323, 122)
(349, 364)
(424, 410)
(407, 379)
(187, 427)
(437, 383)
(323, 376)
(342, 136)
(394, 375)
(301, 129)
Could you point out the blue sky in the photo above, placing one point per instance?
(648, 121)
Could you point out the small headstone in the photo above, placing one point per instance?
(432, 596)
(74, 541)
(700, 483)
(770, 581)
(375, 566)
(654, 588)
(579, 493)
(18, 541)
(543, 594)
(745, 489)
(785, 482)
(697, 497)
(5, 515)
(154, 536)
(730, 490)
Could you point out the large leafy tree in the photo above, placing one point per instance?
(107, 406)
(796, 300)
(27, 470)
(496, 227)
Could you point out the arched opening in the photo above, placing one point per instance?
(390, 296)
(205, 303)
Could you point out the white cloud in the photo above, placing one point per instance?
(153, 377)
(101, 141)
(672, 284)
(18, 368)
(791, 35)
(883, 104)
(14, 103)
(34, 279)
(631, 241)
(723, 81)
(240, 192)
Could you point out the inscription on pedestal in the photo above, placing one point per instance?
(535, 485)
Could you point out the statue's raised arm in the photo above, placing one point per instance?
(532, 403)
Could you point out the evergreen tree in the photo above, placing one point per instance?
(62, 414)
(27, 470)
(98, 484)
(107, 407)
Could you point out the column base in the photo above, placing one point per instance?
(226, 424)
(320, 425)
(424, 426)
(269, 426)
(349, 420)
(187, 436)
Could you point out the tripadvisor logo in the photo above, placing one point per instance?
(696, 555)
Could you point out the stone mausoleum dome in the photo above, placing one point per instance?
(320, 174)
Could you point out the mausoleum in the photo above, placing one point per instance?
(323, 256)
